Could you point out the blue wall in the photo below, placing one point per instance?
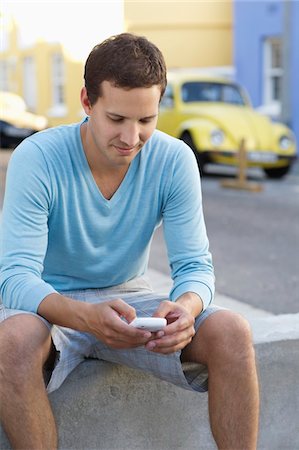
(253, 22)
(295, 70)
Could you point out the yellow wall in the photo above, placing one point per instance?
(190, 34)
(42, 52)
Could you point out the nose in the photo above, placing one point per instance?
(130, 134)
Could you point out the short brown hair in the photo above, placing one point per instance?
(126, 60)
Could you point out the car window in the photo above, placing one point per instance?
(231, 94)
(168, 97)
(198, 91)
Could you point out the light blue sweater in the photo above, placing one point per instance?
(59, 233)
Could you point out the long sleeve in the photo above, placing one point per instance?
(24, 229)
(185, 232)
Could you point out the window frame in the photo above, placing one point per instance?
(30, 83)
(271, 74)
(59, 108)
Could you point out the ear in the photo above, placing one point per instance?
(85, 101)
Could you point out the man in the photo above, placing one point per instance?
(81, 206)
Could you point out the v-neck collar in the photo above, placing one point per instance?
(87, 173)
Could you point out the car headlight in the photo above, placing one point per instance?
(285, 142)
(217, 137)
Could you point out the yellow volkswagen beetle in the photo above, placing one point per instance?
(213, 115)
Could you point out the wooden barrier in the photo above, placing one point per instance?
(241, 181)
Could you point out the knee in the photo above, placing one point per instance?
(228, 336)
(23, 340)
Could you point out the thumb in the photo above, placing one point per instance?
(164, 309)
(123, 309)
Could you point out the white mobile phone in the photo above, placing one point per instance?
(149, 323)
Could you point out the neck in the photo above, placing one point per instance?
(108, 179)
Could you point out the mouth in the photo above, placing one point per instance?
(125, 151)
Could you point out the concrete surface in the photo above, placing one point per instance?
(117, 408)
(106, 406)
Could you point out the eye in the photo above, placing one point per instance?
(147, 120)
(116, 119)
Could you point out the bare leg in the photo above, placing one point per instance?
(224, 344)
(26, 415)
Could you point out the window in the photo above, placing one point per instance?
(273, 73)
(168, 97)
(58, 86)
(231, 94)
(202, 91)
(5, 31)
(4, 76)
(29, 75)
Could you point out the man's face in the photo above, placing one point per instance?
(120, 123)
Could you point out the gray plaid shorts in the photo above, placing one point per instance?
(73, 347)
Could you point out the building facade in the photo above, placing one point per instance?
(266, 56)
(44, 75)
(190, 34)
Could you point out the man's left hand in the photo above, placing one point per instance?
(180, 316)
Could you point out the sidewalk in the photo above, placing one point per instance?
(163, 283)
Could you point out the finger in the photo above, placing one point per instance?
(124, 337)
(177, 318)
(182, 323)
(117, 329)
(126, 332)
(172, 348)
(170, 343)
(123, 309)
(174, 345)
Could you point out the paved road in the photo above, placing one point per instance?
(254, 238)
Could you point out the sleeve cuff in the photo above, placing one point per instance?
(200, 289)
(33, 298)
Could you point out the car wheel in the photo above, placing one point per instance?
(186, 137)
(277, 172)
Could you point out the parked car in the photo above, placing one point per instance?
(16, 123)
(213, 115)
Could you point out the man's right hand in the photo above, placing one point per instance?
(103, 320)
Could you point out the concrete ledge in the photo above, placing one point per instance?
(106, 406)
(275, 328)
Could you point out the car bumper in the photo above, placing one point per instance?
(254, 158)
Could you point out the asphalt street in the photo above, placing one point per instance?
(254, 238)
